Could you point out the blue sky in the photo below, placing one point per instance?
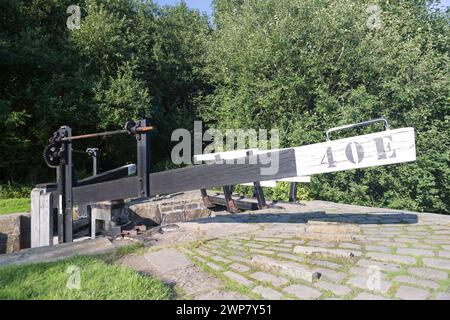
(445, 3)
(204, 5)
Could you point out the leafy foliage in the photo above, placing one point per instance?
(279, 193)
(128, 60)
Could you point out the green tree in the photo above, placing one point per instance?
(128, 60)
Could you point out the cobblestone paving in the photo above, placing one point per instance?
(359, 253)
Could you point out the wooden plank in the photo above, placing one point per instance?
(376, 149)
(124, 188)
(219, 157)
(267, 184)
(46, 220)
(304, 179)
(217, 175)
(241, 204)
(273, 183)
(35, 216)
(58, 252)
(370, 150)
(113, 174)
(231, 155)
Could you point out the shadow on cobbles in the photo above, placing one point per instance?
(295, 217)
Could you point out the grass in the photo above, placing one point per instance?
(99, 280)
(228, 283)
(135, 248)
(15, 205)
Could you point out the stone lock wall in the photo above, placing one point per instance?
(166, 212)
(15, 232)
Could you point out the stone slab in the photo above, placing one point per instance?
(428, 273)
(336, 289)
(437, 263)
(391, 258)
(267, 293)
(291, 269)
(303, 292)
(58, 252)
(411, 293)
(167, 260)
(267, 277)
(326, 251)
(238, 278)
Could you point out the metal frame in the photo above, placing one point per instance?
(94, 153)
(359, 124)
(87, 191)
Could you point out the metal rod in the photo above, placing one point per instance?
(94, 153)
(94, 165)
(107, 133)
(143, 160)
(356, 125)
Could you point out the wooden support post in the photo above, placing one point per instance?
(230, 204)
(257, 189)
(259, 194)
(293, 192)
(41, 218)
(206, 201)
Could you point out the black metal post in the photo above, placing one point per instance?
(65, 184)
(61, 204)
(94, 153)
(143, 160)
(68, 185)
(293, 192)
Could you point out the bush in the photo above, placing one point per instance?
(8, 191)
(280, 192)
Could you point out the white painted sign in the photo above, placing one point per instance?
(267, 184)
(218, 157)
(273, 183)
(370, 150)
